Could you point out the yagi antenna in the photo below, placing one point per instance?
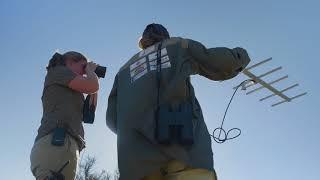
(258, 80)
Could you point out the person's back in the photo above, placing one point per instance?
(141, 88)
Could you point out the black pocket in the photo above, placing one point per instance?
(58, 137)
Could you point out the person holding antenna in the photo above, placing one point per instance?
(152, 107)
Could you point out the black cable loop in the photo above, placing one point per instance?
(220, 129)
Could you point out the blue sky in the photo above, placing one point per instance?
(276, 143)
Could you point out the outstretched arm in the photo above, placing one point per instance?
(217, 63)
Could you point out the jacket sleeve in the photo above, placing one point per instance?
(217, 63)
(111, 115)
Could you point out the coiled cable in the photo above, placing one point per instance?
(225, 133)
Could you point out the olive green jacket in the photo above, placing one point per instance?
(133, 101)
(62, 106)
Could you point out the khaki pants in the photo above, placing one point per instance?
(178, 171)
(46, 158)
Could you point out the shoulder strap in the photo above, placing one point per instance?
(158, 72)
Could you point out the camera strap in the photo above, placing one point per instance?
(159, 64)
(158, 73)
(172, 126)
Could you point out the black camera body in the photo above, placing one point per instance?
(88, 111)
(175, 126)
(101, 71)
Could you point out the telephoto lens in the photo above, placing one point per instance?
(101, 71)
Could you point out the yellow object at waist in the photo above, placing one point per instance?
(176, 170)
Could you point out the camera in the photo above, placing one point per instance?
(101, 71)
(88, 111)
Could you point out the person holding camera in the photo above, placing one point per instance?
(152, 107)
(60, 137)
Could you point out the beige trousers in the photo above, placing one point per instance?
(176, 170)
(46, 158)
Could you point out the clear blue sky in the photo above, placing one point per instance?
(276, 143)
